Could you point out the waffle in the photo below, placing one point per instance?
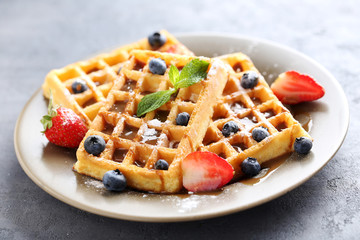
(133, 144)
(250, 108)
(99, 74)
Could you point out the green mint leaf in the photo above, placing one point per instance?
(153, 101)
(173, 75)
(193, 72)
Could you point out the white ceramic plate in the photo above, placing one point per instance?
(50, 166)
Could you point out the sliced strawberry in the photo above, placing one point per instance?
(205, 171)
(292, 87)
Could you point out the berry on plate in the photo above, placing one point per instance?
(63, 127)
(114, 180)
(250, 167)
(205, 171)
(292, 87)
(302, 145)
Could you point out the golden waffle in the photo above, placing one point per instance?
(250, 108)
(133, 144)
(99, 74)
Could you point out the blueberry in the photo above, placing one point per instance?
(161, 164)
(114, 180)
(230, 128)
(260, 133)
(79, 86)
(182, 119)
(250, 167)
(94, 144)
(157, 66)
(249, 79)
(302, 145)
(157, 39)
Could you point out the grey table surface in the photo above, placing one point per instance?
(36, 36)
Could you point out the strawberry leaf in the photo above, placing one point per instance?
(46, 121)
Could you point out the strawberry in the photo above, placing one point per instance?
(292, 87)
(63, 127)
(205, 171)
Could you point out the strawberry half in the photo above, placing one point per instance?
(292, 87)
(205, 171)
(63, 127)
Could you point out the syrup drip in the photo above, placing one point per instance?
(129, 85)
(108, 129)
(239, 147)
(146, 93)
(139, 66)
(118, 106)
(281, 126)
(302, 116)
(119, 154)
(140, 162)
(89, 102)
(267, 169)
(129, 132)
(237, 67)
(174, 144)
(256, 101)
(93, 69)
(161, 115)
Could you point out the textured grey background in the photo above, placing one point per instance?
(36, 36)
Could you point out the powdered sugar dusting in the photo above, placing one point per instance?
(94, 183)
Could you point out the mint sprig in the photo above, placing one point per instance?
(193, 72)
(154, 101)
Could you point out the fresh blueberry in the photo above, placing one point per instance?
(79, 86)
(260, 133)
(249, 79)
(302, 145)
(250, 167)
(94, 144)
(114, 180)
(157, 39)
(230, 128)
(161, 164)
(157, 66)
(182, 119)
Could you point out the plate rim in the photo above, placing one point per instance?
(188, 217)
